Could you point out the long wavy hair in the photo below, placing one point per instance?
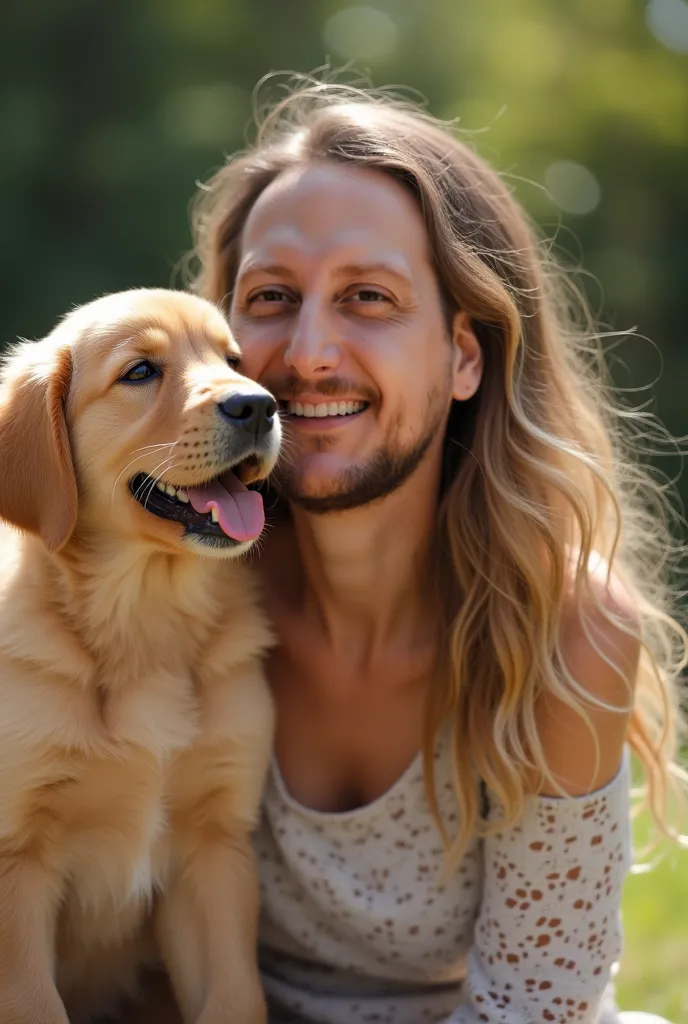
(541, 471)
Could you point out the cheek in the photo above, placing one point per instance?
(413, 387)
(259, 343)
(105, 439)
(396, 373)
(97, 442)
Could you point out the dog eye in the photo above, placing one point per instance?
(233, 362)
(143, 371)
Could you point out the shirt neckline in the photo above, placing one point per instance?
(414, 768)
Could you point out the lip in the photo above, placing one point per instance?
(318, 399)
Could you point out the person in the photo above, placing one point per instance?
(473, 625)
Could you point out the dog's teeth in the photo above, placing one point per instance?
(183, 496)
(172, 491)
(161, 486)
(214, 516)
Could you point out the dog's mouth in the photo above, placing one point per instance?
(225, 507)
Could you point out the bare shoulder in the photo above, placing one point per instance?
(600, 648)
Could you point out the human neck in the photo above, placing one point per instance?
(365, 572)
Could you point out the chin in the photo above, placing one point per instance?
(315, 482)
(221, 548)
(168, 538)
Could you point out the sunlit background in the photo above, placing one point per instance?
(110, 113)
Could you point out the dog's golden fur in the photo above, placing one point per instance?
(135, 722)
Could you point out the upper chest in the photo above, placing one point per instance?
(344, 737)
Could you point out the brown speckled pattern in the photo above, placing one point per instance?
(357, 928)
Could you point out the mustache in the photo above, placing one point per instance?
(289, 388)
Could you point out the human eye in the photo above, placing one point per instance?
(268, 301)
(269, 297)
(367, 301)
(369, 295)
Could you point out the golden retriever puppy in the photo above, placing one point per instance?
(135, 722)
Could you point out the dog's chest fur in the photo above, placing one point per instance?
(101, 816)
(95, 719)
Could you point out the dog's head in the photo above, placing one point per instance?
(132, 417)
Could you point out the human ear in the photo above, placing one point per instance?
(467, 365)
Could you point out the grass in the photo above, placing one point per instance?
(654, 966)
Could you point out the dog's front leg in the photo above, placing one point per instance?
(27, 914)
(208, 932)
(208, 915)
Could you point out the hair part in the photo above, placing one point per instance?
(541, 472)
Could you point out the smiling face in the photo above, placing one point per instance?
(165, 433)
(131, 420)
(338, 312)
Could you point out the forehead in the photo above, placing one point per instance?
(327, 206)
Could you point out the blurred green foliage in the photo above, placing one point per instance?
(653, 965)
(110, 113)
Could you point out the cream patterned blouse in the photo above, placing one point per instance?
(357, 928)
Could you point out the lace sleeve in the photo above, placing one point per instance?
(548, 930)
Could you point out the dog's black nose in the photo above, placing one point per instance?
(253, 413)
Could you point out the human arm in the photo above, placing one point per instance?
(548, 929)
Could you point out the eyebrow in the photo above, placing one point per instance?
(377, 267)
(352, 269)
(276, 269)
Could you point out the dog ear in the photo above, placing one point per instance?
(38, 490)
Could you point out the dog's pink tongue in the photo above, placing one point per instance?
(239, 510)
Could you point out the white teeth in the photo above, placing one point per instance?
(323, 409)
(214, 516)
(174, 492)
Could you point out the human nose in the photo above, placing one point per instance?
(313, 348)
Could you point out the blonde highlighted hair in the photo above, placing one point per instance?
(541, 474)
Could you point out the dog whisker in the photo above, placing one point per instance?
(256, 549)
(149, 480)
(144, 450)
(167, 464)
(152, 447)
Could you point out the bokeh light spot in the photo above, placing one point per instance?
(360, 33)
(573, 187)
(667, 20)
